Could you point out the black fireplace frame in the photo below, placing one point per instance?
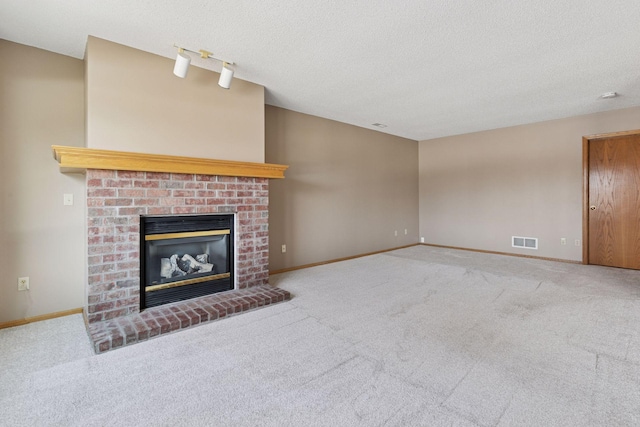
(155, 225)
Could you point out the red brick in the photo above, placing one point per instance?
(206, 209)
(129, 331)
(93, 212)
(205, 193)
(204, 315)
(95, 222)
(114, 239)
(131, 211)
(100, 173)
(154, 328)
(184, 210)
(164, 210)
(158, 175)
(165, 325)
(123, 229)
(131, 192)
(100, 249)
(158, 193)
(194, 185)
(222, 311)
(227, 179)
(182, 176)
(212, 312)
(130, 174)
(184, 193)
(171, 184)
(103, 346)
(174, 322)
(115, 276)
(101, 287)
(194, 201)
(115, 314)
(114, 257)
(146, 202)
(118, 183)
(193, 316)
(216, 186)
(170, 201)
(126, 247)
(103, 306)
(146, 184)
(205, 177)
(101, 192)
(133, 265)
(96, 269)
(185, 322)
(142, 329)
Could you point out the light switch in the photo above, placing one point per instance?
(68, 199)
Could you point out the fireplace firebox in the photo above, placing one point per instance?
(185, 256)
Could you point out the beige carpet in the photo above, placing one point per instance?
(420, 336)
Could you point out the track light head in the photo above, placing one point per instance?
(182, 64)
(226, 75)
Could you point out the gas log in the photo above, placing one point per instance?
(177, 265)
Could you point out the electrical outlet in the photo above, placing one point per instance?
(23, 283)
(284, 249)
(395, 233)
(405, 231)
(577, 242)
(563, 241)
(422, 240)
(68, 199)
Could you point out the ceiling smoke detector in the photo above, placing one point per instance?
(609, 95)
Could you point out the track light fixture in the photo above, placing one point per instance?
(183, 60)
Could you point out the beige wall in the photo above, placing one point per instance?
(41, 103)
(477, 190)
(346, 191)
(135, 103)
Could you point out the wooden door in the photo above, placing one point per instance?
(614, 201)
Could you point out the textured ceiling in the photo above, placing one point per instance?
(426, 69)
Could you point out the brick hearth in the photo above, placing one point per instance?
(115, 201)
(153, 322)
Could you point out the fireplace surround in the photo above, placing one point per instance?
(124, 187)
(116, 201)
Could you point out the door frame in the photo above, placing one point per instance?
(585, 184)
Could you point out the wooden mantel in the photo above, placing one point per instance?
(79, 159)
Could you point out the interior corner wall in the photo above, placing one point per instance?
(346, 192)
(41, 104)
(478, 190)
(135, 103)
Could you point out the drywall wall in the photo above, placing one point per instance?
(41, 104)
(346, 192)
(135, 103)
(477, 190)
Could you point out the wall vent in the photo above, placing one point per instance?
(524, 242)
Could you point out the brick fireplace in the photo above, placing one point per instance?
(115, 201)
(123, 186)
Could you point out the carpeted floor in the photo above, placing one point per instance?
(416, 337)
